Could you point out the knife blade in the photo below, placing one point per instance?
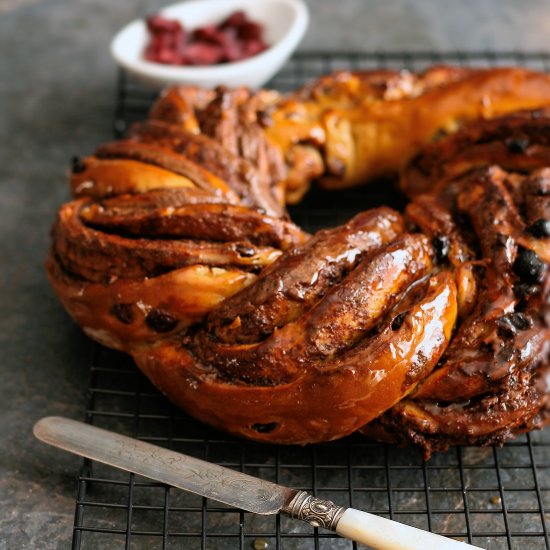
(233, 488)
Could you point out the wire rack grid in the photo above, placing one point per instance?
(495, 498)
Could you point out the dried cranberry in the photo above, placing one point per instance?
(398, 321)
(517, 146)
(77, 165)
(253, 47)
(244, 251)
(250, 31)
(524, 290)
(264, 428)
(124, 313)
(160, 320)
(528, 266)
(164, 55)
(166, 47)
(234, 39)
(509, 324)
(540, 229)
(210, 33)
(233, 50)
(159, 24)
(203, 53)
(236, 19)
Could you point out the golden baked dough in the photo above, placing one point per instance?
(429, 327)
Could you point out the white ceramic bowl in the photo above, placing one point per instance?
(284, 21)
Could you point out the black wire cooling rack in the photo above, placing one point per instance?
(496, 498)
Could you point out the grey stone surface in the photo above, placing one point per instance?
(56, 99)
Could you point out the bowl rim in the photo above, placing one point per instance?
(160, 70)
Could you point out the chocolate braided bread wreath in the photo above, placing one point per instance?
(430, 326)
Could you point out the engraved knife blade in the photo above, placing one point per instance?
(234, 488)
(182, 471)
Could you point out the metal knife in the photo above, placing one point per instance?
(234, 488)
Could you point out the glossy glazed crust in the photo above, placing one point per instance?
(431, 328)
(505, 141)
(136, 268)
(492, 380)
(126, 313)
(371, 124)
(326, 399)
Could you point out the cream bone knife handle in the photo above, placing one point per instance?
(374, 531)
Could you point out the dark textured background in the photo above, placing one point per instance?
(57, 85)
